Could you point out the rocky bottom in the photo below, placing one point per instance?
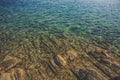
(55, 58)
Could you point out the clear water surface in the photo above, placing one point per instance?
(92, 19)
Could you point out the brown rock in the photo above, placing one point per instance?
(8, 63)
(5, 76)
(18, 74)
(83, 74)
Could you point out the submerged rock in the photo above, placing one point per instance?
(84, 74)
(116, 78)
(14, 74)
(5, 76)
(83, 60)
(8, 63)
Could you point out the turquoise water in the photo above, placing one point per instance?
(92, 19)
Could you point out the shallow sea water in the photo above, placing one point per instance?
(59, 39)
(91, 19)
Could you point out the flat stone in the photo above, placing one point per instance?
(8, 63)
(5, 76)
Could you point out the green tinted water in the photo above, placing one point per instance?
(92, 19)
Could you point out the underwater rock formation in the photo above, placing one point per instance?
(52, 58)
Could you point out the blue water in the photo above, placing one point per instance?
(92, 19)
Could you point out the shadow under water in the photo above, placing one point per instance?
(116, 78)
